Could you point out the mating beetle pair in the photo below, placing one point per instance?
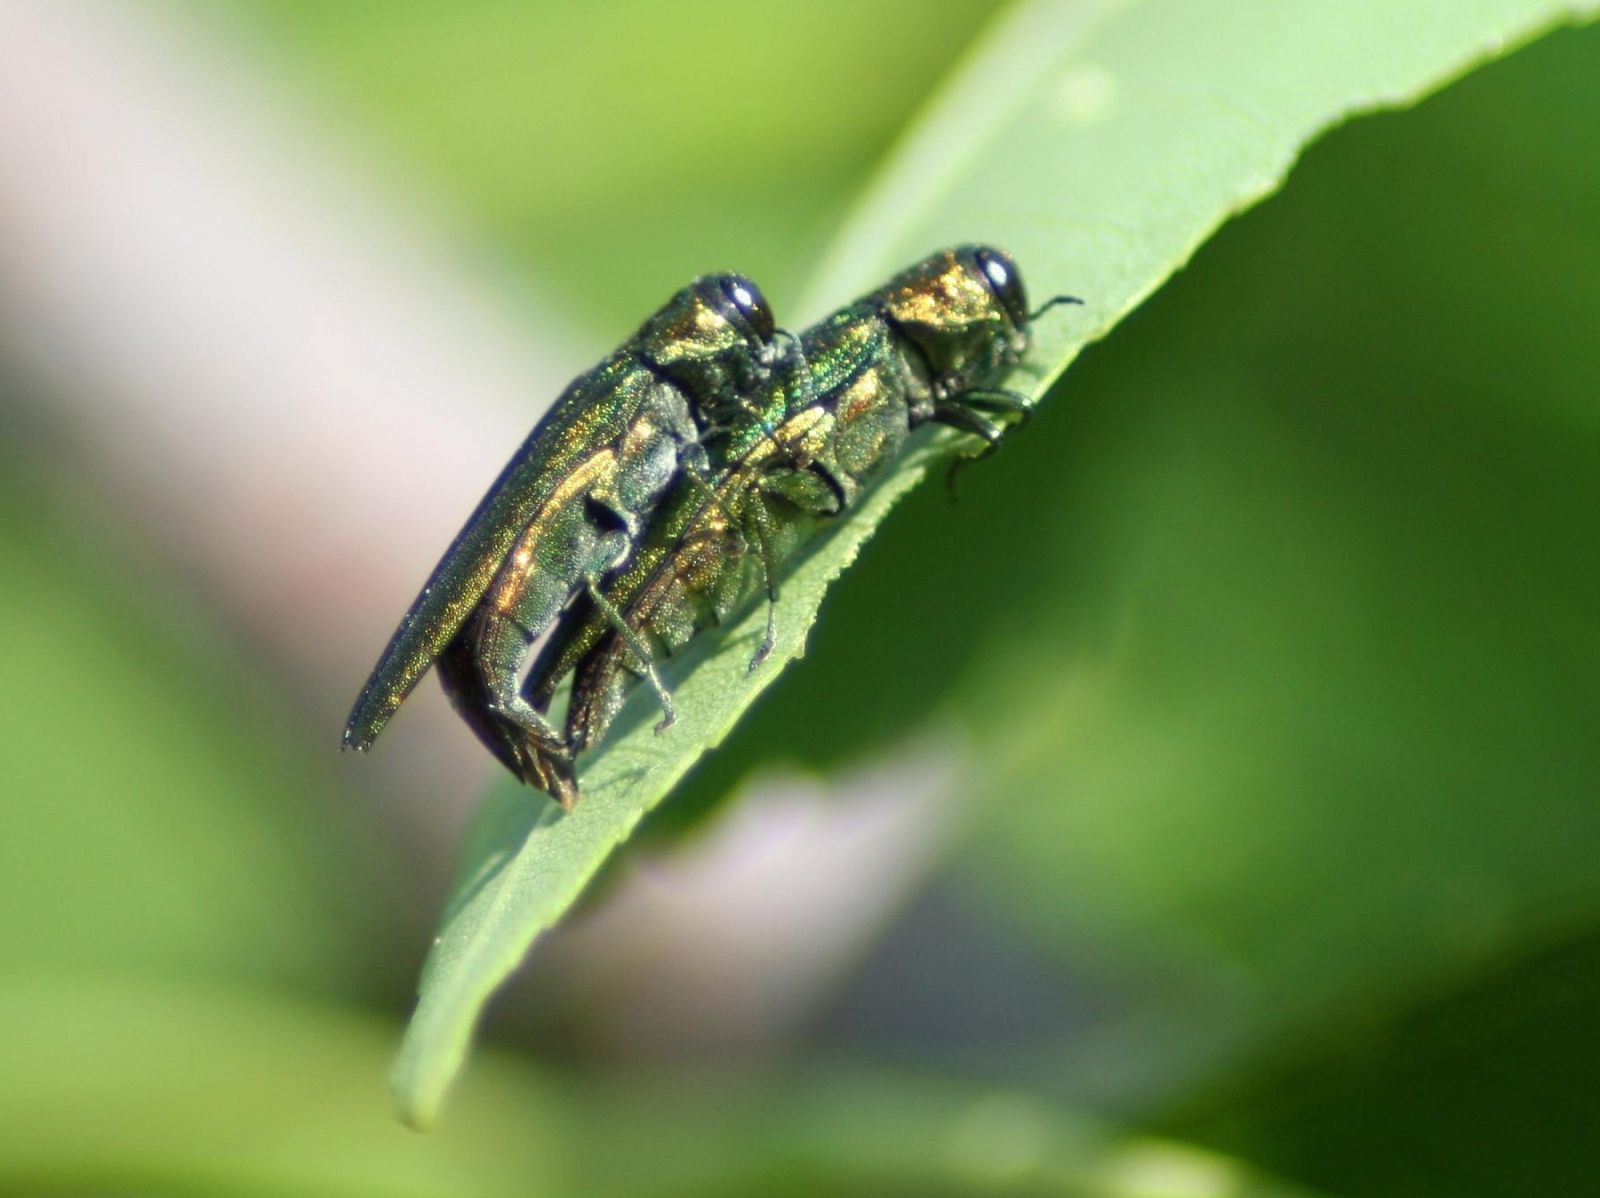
(709, 443)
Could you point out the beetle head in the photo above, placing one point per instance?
(714, 337)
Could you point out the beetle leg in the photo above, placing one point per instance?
(972, 422)
(969, 421)
(479, 672)
(761, 527)
(1012, 403)
(639, 649)
(834, 484)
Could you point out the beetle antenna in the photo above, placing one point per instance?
(1051, 303)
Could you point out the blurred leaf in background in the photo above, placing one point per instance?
(162, 812)
(620, 148)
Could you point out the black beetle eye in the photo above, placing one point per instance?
(1001, 274)
(747, 298)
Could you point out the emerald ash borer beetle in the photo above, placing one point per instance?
(667, 486)
(569, 507)
(932, 345)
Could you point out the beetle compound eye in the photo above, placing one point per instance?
(747, 298)
(1003, 279)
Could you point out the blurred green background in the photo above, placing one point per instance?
(1274, 643)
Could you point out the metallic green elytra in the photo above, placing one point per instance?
(568, 507)
(931, 345)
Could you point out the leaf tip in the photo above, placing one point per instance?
(415, 1106)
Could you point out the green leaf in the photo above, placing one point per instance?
(610, 233)
(1100, 143)
(117, 850)
(844, 1130)
(1285, 728)
(119, 1084)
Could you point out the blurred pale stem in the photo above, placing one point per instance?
(296, 387)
